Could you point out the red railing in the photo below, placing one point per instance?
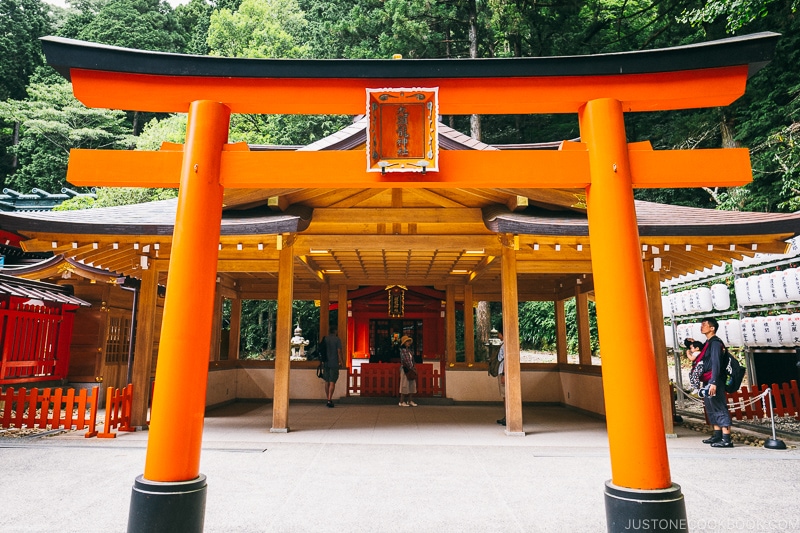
(118, 411)
(33, 342)
(383, 379)
(43, 409)
(785, 401)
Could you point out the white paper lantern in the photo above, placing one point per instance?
(682, 331)
(666, 306)
(765, 289)
(753, 294)
(795, 328)
(791, 282)
(771, 331)
(705, 299)
(777, 286)
(733, 331)
(740, 288)
(696, 334)
(691, 298)
(748, 335)
(720, 297)
(784, 323)
(760, 331)
(683, 303)
(669, 337)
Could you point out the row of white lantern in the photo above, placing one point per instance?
(773, 331)
(700, 300)
(774, 287)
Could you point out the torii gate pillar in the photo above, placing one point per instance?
(640, 487)
(171, 495)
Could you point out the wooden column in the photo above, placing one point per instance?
(636, 439)
(469, 327)
(584, 335)
(450, 323)
(176, 422)
(216, 325)
(236, 328)
(653, 282)
(143, 352)
(561, 333)
(324, 309)
(283, 335)
(342, 323)
(508, 269)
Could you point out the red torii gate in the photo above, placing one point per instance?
(600, 89)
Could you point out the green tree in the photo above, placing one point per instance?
(52, 122)
(142, 24)
(259, 28)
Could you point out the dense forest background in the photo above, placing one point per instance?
(40, 120)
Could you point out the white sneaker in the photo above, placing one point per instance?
(403, 404)
(412, 404)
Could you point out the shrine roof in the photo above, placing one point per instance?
(157, 218)
(754, 50)
(38, 290)
(654, 220)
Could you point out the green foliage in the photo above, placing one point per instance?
(537, 326)
(259, 28)
(23, 22)
(113, 196)
(170, 129)
(259, 322)
(142, 24)
(52, 122)
(737, 13)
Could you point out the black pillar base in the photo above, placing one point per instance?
(167, 506)
(634, 510)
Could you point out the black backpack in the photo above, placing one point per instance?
(322, 350)
(735, 372)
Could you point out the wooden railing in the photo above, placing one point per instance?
(118, 411)
(32, 340)
(383, 379)
(43, 409)
(785, 401)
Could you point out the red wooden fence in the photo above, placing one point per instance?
(383, 379)
(35, 340)
(785, 402)
(118, 411)
(43, 409)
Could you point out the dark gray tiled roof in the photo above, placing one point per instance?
(153, 218)
(654, 220)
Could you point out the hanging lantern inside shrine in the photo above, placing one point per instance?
(397, 301)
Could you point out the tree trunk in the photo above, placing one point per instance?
(15, 142)
(474, 120)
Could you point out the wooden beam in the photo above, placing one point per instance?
(450, 325)
(653, 287)
(143, 353)
(343, 319)
(584, 333)
(280, 400)
(432, 215)
(464, 169)
(469, 326)
(278, 203)
(511, 340)
(709, 87)
(517, 203)
(561, 333)
(236, 329)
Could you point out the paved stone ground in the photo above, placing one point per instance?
(382, 468)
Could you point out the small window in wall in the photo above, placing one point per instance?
(118, 339)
